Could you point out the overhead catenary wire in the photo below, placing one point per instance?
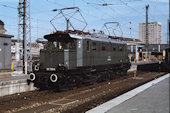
(139, 13)
(110, 15)
(105, 13)
(47, 20)
(4, 5)
(52, 2)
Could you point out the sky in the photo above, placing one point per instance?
(128, 13)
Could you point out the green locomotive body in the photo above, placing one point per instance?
(71, 59)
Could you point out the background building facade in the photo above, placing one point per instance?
(5, 49)
(154, 32)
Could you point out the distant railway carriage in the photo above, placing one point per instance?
(167, 56)
(72, 59)
(166, 62)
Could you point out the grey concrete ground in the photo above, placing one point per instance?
(9, 76)
(153, 100)
(14, 82)
(14, 78)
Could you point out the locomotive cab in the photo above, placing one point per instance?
(52, 57)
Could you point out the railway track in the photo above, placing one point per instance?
(76, 100)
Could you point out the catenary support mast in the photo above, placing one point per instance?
(147, 37)
(24, 32)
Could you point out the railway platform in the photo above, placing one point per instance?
(14, 82)
(152, 97)
(142, 63)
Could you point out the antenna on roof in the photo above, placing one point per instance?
(70, 15)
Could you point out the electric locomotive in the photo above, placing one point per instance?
(73, 58)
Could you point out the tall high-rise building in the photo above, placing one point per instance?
(154, 32)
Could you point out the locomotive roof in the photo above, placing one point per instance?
(96, 37)
(67, 37)
(58, 37)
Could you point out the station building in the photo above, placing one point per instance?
(137, 51)
(5, 49)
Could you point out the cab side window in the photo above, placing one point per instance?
(94, 46)
(88, 45)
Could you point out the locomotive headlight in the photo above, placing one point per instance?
(53, 77)
(36, 68)
(32, 76)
